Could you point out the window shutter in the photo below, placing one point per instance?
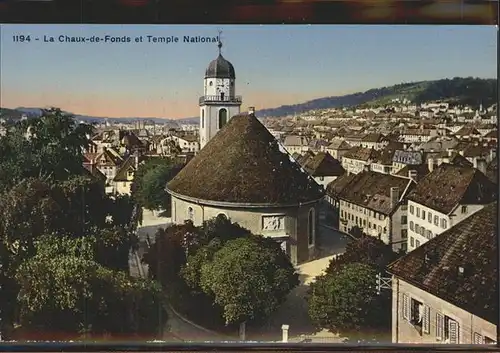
(439, 326)
(406, 307)
(453, 332)
(426, 320)
(478, 339)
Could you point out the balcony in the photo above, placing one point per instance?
(220, 100)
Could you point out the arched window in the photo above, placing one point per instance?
(222, 117)
(190, 213)
(311, 227)
(202, 118)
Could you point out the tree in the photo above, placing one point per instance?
(347, 299)
(63, 288)
(150, 180)
(366, 250)
(249, 278)
(50, 146)
(167, 254)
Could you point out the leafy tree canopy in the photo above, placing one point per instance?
(347, 299)
(150, 180)
(63, 288)
(249, 278)
(50, 146)
(365, 250)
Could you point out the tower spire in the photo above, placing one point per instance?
(220, 43)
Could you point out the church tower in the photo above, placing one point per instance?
(219, 102)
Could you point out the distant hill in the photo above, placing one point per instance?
(17, 113)
(470, 91)
(464, 91)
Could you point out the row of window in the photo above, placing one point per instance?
(430, 218)
(443, 327)
(361, 222)
(414, 243)
(363, 210)
(421, 230)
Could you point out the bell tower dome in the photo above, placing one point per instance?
(219, 101)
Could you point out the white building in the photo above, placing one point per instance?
(445, 291)
(375, 203)
(445, 197)
(219, 101)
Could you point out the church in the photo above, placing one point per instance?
(244, 173)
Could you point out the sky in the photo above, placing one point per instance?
(275, 65)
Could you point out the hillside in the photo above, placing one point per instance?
(461, 91)
(15, 114)
(470, 91)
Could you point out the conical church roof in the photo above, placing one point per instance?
(243, 163)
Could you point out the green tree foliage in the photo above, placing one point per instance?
(50, 146)
(44, 191)
(347, 300)
(167, 253)
(366, 250)
(249, 278)
(150, 180)
(180, 254)
(467, 91)
(341, 310)
(62, 288)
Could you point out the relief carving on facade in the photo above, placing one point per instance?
(273, 223)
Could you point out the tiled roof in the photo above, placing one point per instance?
(408, 157)
(131, 140)
(304, 158)
(108, 157)
(323, 164)
(339, 145)
(372, 190)
(471, 245)
(128, 165)
(361, 153)
(467, 131)
(421, 169)
(334, 188)
(243, 163)
(492, 134)
(385, 156)
(476, 151)
(373, 137)
(294, 140)
(449, 185)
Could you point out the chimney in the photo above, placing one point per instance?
(493, 154)
(480, 164)
(450, 152)
(430, 164)
(251, 110)
(412, 174)
(394, 197)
